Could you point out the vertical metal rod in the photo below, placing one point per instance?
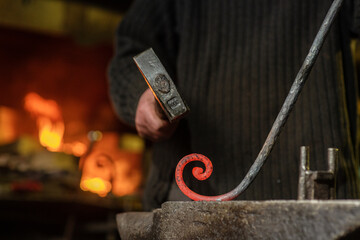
(333, 157)
(333, 154)
(304, 166)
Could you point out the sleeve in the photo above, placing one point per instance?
(148, 23)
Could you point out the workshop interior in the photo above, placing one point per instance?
(67, 164)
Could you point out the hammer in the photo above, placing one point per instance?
(161, 85)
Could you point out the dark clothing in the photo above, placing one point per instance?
(233, 62)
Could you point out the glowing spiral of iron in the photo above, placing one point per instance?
(199, 174)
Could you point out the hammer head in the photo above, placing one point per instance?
(161, 85)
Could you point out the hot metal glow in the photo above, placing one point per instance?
(199, 174)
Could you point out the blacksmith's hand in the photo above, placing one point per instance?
(149, 122)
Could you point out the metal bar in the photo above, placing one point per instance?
(333, 159)
(304, 166)
(333, 155)
(317, 184)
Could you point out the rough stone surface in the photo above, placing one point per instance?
(308, 219)
(135, 225)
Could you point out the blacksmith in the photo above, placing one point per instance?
(233, 62)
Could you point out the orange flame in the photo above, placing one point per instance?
(50, 134)
(49, 120)
(8, 132)
(39, 106)
(105, 169)
(51, 125)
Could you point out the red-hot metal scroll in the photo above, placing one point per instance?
(275, 130)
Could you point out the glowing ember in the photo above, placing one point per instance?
(96, 185)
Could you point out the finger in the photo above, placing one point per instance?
(159, 111)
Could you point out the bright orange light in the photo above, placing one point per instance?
(76, 148)
(96, 185)
(50, 133)
(127, 179)
(51, 125)
(39, 106)
(120, 168)
(8, 132)
(49, 120)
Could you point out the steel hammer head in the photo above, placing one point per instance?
(161, 85)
